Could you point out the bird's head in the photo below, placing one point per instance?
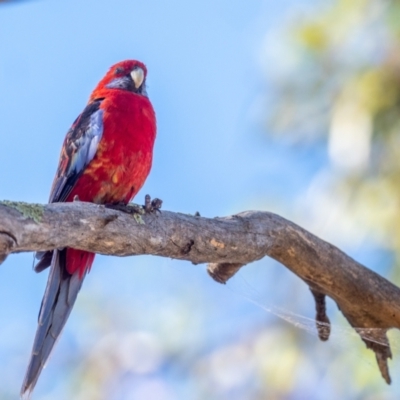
(127, 75)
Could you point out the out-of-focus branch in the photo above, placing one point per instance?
(10, 1)
(370, 303)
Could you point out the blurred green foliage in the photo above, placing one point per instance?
(340, 84)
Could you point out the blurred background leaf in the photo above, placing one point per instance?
(342, 90)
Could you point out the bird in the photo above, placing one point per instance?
(105, 158)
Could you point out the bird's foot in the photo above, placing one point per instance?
(130, 208)
(151, 206)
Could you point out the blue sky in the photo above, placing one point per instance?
(211, 155)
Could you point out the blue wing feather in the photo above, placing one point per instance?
(79, 148)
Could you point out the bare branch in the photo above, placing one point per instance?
(370, 303)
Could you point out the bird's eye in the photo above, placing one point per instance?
(137, 75)
(118, 70)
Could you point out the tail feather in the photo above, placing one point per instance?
(60, 295)
(44, 260)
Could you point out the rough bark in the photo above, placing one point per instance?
(370, 303)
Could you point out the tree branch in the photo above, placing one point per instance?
(370, 303)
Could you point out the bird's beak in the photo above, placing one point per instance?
(138, 77)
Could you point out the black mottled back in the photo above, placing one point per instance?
(72, 161)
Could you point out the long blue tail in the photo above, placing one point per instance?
(60, 295)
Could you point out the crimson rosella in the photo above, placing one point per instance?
(105, 159)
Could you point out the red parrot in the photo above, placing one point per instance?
(105, 159)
